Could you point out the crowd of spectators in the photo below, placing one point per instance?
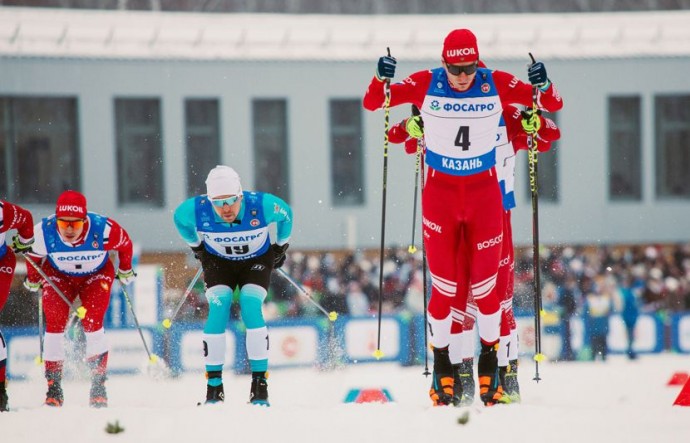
(574, 280)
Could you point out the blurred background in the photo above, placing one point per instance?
(132, 102)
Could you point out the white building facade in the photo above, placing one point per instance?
(134, 108)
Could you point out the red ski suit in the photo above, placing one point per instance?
(93, 289)
(11, 217)
(462, 319)
(462, 215)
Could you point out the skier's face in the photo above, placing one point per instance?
(70, 228)
(229, 209)
(461, 75)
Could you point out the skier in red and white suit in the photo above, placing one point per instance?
(518, 129)
(513, 137)
(11, 217)
(461, 106)
(71, 247)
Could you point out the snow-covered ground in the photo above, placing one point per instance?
(616, 401)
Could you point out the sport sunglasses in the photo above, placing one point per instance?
(219, 202)
(75, 224)
(457, 70)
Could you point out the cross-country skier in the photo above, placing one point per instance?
(71, 247)
(461, 106)
(11, 217)
(228, 231)
(514, 130)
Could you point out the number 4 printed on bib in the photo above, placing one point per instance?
(463, 138)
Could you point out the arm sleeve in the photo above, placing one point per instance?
(397, 133)
(37, 254)
(185, 222)
(19, 219)
(520, 142)
(411, 90)
(279, 212)
(548, 133)
(549, 130)
(118, 240)
(513, 90)
(411, 146)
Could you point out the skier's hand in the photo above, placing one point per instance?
(531, 122)
(385, 70)
(126, 277)
(21, 247)
(31, 286)
(199, 251)
(279, 254)
(415, 126)
(537, 75)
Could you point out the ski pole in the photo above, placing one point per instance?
(153, 358)
(412, 248)
(424, 285)
(167, 322)
(533, 175)
(386, 117)
(39, 358)
(79, 312)
(332, 316)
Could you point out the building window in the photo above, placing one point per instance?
(139, 151)
(625, 162)
(347, 175)
(672, 146)
(271, 147)
(547, 171)
(202, 123)
(39, 152)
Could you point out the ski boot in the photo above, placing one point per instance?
(490, 389)
(258, 395)
(509, 381)
(54, 396)
(441, 392)
(214, 388)
(463, 387)
(98, 397)
(4, 407)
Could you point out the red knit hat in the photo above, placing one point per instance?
(460, 46)
(71, 204)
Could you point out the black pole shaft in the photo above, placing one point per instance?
(424, 284)
(414, 207)
(383, 206)
(533, 176)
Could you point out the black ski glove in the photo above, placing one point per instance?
(279, 254)
(199, 251)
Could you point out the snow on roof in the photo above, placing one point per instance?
(72, 33)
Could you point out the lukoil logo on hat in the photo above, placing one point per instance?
(223, 180)
(460, 46)
(71, 204)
